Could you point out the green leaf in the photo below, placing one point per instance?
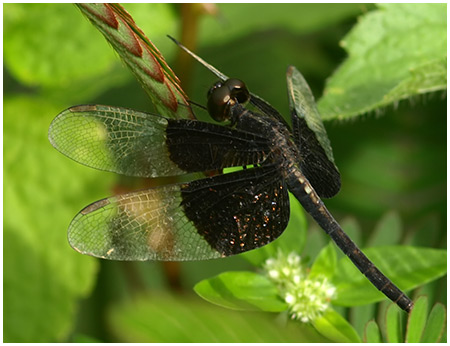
(435, 324)
(241, 291)
(387, 231)
(372, 333)
(406, 266)
(43, 277)
(334, 327)
(394, 53)
(417, 320)
(419, 328)
(325, 263)
(394, 327)
(358, 316)
(162, 318)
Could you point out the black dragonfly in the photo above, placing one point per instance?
(219, 215)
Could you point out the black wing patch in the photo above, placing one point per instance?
(310, 136)
(238, 212)
(209, 218)
(199, 146)
(320, 172)
(266, 108)
(141, 144)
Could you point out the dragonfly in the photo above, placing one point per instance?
(220, 214)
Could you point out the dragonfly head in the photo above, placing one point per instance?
(223, 96)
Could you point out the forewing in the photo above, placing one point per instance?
(266, 108)
(198, 146)
(146, 145)
(317, 162)
(209, 218)
(114, 139)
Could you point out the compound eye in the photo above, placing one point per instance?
(214, 87)
(219, 103)
(238, 90)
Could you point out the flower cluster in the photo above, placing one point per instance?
(306, 297)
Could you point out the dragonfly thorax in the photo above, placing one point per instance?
(283, 150)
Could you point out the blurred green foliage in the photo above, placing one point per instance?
(193, 320)
(54, 58)
(422, 325)
(381, 67)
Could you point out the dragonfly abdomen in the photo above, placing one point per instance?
(311, 202)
